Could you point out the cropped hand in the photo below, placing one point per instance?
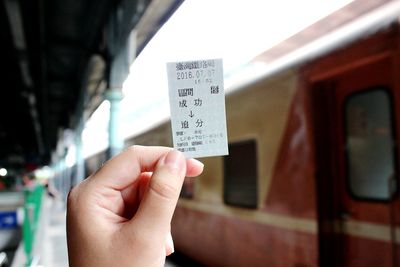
(120, 216)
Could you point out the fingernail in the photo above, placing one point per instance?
(197, 162)
(173, 158)
(170, 242)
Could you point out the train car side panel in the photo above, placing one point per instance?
(293, 189)
(231, 241)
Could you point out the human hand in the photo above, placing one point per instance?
(121, 215)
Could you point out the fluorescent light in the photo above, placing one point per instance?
(46, 172)
(3, 172)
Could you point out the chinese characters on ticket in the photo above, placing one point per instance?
(197, 102)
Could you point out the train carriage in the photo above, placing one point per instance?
(312, 175)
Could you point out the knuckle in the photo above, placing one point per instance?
(76, 193)
(134, 149)
(131, 149)
(164, 190)
(72, 195)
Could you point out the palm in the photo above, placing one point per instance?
(121, 206)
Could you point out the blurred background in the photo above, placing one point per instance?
(312, 104)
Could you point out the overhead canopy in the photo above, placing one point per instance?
(53, 53)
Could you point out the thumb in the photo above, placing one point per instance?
(159, 202)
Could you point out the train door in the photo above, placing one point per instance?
(357, 163)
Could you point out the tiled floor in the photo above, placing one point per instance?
(55, 243)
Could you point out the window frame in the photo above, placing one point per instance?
(252, 141)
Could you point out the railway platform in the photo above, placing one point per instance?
(50, 248)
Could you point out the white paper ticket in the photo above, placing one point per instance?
(197, 102)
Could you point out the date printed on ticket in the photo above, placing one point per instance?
(197, 103)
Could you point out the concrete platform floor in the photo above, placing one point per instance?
(54, 244)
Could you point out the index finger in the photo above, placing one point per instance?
(125, 168)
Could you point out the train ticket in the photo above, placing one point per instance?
(197, 103)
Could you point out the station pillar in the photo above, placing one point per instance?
(80, 161)
(115, 138)
(122, 57)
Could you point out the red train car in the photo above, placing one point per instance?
(312, 175)
(312, 178)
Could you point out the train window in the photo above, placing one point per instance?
(370, 144)
(240, 177)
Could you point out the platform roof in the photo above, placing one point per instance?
(50, 50)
